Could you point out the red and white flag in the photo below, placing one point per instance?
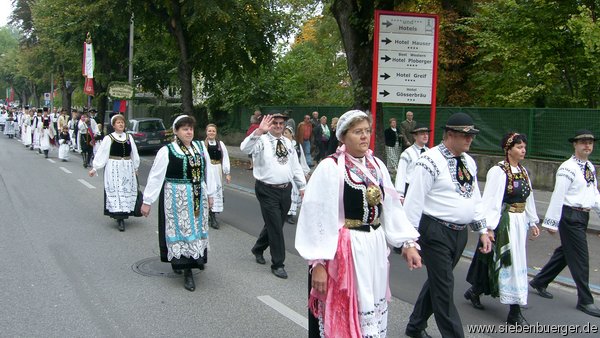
(87, 68)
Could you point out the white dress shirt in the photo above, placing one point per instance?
(406, 166)
(267, 167)
(434, 190)
(571, 189)
(156, 177)
(103, 153)
(493, 195)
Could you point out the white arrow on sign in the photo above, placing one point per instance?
(405, 77)
(407, 94)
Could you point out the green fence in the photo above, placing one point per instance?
(547, 129)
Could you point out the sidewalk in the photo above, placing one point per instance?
(538, 250)
(542, 198)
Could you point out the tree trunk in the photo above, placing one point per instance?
(359, 50)
(355, 18)
(36, 97)
(184, 69)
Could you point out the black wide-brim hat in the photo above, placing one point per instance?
(462, 123)
(582, 134)
(420, 127)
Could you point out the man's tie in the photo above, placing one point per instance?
(422, 150)
(462, 174)
(587, 172)
(281, 152)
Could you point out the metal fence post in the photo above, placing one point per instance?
(530, 137)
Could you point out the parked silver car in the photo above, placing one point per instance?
(149, 133)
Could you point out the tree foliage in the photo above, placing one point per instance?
(535, 53)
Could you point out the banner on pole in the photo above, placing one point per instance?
(87, 67)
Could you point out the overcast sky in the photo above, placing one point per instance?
(5, 10)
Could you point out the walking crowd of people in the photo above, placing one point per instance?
(350, 210)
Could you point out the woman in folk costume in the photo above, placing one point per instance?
(35, 130)
(9, 127)
(179, 182)
(510, 211)
(296, 199)
(64, 141)
(350, 212)
(119, 157)
(216, 167)
(46, 132)
(86, 140)
(26, 137)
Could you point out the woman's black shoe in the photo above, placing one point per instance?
(474, 298)
(515, 317)
(188, 277)
(212, 220)
(121, 225)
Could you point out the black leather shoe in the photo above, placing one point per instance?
(541, 291)
(417, 334)
(471, 296)
(589, 309)
(280, 272)
(516, 319)
(291, 220)
(121, 225)
(188, 278)
(260, 259)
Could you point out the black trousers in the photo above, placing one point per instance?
(573, 253)
(441, 249)
(274, 206)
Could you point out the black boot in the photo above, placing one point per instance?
(473, 296)
(85, 161)
(121, 224)
(515, 317)
(212, 220)
(188, 280)
(46, 153)
(215, 221)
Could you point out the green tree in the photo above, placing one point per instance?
(534, 53)
(9, 44)
(213, 38)
(61, 27)
(314, 71)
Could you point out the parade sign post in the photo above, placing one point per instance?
(405, 56)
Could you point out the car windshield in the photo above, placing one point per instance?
(151, 126)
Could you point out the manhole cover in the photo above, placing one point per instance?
(154, 267)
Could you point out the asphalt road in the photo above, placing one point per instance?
(67, 271)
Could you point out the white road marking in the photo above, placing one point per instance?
(285, 311)
(50, 160)
(84, 182)
(65, 170)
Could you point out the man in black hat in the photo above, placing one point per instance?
(443, 199)
(409, 158)
(575, 194)
(274, 159)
